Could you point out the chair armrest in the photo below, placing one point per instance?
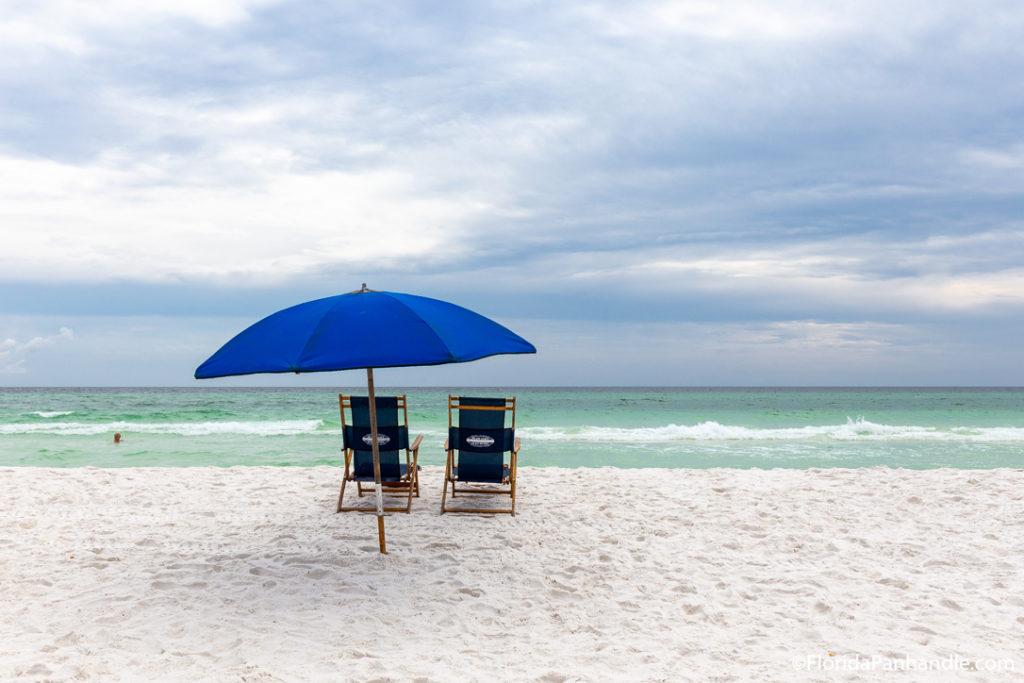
(446, 444)
(416, 443)
(515, 445)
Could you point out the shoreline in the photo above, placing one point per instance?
(246, 573)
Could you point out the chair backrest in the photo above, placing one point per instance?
(392, 433)
(480, 435)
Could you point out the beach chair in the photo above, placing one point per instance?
(478, 440)
(396, 477)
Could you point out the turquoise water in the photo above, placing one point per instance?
(565, 427)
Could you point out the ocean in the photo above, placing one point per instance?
(918, 428)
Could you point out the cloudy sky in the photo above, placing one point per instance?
(728, 192)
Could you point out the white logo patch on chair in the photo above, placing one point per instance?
(382, 439)
(480, 440)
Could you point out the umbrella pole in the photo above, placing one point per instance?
(376, 461)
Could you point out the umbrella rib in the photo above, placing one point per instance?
(430, 329)
(422, 323)
(309, 340)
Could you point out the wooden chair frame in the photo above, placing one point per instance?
(410, 484)
(478, 489)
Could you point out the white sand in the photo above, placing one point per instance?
(247, 574)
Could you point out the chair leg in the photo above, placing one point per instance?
(341, 497)
(444, 489)
(415, 474)
(344, 480)
(514, 462)
(408, 503)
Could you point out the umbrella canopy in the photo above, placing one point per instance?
(363, 329)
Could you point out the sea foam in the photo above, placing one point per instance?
(853, 430)
(252, 428)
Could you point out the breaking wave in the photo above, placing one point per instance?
(269, 428)
(709, 431)
(854, 430)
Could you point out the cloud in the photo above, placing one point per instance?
(750, 163)
(75, 27)
(103, 222)
(14, 354)
(735, 21)
(864, 275)
(164, 351)
(1011, 157)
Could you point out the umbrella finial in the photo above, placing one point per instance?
(363, 290)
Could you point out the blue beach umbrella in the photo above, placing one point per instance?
(363, 329)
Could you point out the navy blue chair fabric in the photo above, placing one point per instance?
(391, 437)
(398, 452)
(481, 440)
